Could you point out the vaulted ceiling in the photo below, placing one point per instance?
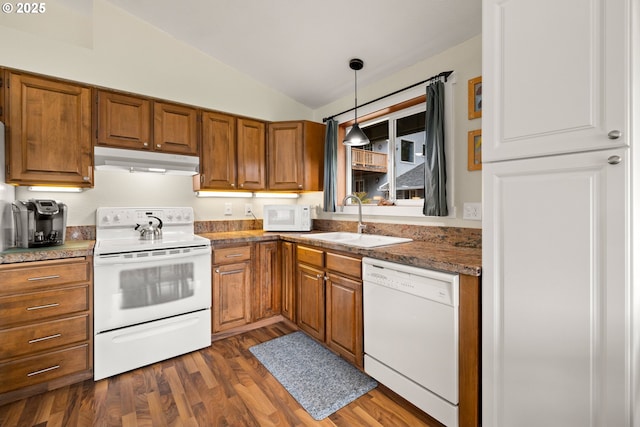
(302, 47)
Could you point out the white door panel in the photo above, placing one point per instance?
(557, 76)
(555, 328)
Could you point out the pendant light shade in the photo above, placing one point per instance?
(356, 137)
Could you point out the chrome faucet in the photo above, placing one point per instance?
(361, 226)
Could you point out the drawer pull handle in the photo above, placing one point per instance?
(35, 340)
(33, 279)
(39, 307)
(42, 371)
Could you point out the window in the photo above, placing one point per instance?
(406, 151)
(391, 167)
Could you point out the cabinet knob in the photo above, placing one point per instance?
(614, 160)
(241, 185)
(158, 146)
(146, 144)
(300, 186)
(614, 134)
(217, 270)
(233, 185)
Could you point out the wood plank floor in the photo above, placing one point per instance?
(223, 385)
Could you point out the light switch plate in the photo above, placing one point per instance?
(228, 210)
(472, 211)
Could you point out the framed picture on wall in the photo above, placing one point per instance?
(474, 150)
(475, 98)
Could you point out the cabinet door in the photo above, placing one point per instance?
(49, 132)
(310, 292)
(285, 156)
(251, 147)
(218, 156)
(288, 277)
(344, 317)
(267, 283)
(555, 76)
(231, 303)
(175, 128)
(124, 121)
(555, 289)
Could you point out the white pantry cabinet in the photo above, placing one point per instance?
(555, 328)
(559, 324)
(555, 76)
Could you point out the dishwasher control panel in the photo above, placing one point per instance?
(430, 284)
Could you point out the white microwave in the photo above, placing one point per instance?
(286, 218)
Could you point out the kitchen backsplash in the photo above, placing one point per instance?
(455, 236)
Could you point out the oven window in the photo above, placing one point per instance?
(144, 287)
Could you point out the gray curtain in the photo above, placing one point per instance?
(330, 165)
(435, 179)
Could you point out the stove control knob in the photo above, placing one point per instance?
(106, 219)
(116, 218)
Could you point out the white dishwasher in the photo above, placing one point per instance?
(411, 334)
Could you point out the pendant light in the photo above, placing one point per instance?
(356, 137)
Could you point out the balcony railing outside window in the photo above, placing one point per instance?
(366, 160)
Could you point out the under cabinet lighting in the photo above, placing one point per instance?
(56, 189)
(276, 195)
(236, 194)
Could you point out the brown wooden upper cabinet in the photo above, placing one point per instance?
(127, 121)
(233, 153)
(48, 129)
(296, 156)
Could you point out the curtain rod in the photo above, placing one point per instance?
(444, 74)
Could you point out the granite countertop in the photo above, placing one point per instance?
(424, 254)
(71, 249)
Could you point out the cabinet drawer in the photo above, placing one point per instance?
(43, 336)
(310, 256)
(46, 367)
(41, 305)
(228, 255)
(28, 276)
(344, 264)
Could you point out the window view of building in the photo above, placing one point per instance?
(391, 167)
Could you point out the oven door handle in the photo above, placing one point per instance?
(138, 257)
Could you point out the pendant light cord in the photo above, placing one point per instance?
(355, 72)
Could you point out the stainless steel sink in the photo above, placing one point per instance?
(359, 240)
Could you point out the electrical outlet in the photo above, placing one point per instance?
(228, 209)
(472, 211)
(248, 210)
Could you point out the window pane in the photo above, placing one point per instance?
(369, 164)
(409, 161)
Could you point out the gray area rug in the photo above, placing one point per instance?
(318, 379)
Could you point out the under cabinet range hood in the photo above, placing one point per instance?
(107, 158)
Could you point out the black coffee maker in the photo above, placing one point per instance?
(39, 223)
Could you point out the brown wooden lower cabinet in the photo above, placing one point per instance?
(288, 281)
(329, 300)
(231, 293)
(267, 289)
(46, 326)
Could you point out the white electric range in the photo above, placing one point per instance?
(152, 298)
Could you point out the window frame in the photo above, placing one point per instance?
(379, 110)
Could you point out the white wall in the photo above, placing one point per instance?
(466, 62)
(124, 53)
